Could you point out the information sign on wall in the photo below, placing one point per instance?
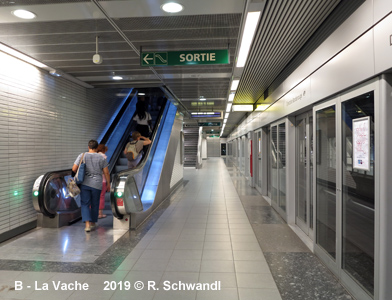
(361, 143)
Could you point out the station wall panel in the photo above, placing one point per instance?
(45, 122)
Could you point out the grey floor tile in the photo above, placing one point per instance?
(217, 255)
(259, 294)
(251, 266)
(302, 276)
(225, 293)
(95, 291)
(227, 280)
(149, 264)
(261, 280)
(278, 238)
(144, 294)
(183, 265)
(177, 276)
(174, 295)
(217, 245)
(217, 266)
(163, 255)
(248, 255)
(187, 254)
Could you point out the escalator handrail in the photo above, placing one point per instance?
(123, 141)
(41, 192)
(113, 126)
(140, 166)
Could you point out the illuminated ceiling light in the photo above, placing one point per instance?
(24, 14)
(142, 94)
(262, 107)
(234, 84)
(194, 113)
(172, 7)
(242, 107)
(231, 97)
(224, 121)
(55, 73)
(202, 98)
(117, 77)
(22, 56)
(228, 107)
(226, 115)
(249, 30)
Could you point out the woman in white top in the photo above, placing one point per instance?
(143, 119)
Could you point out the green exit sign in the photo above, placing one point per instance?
(181, 58)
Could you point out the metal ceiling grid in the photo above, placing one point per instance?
(284, 28)
(342, 11)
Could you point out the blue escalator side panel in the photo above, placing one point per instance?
(114, 116)
(154, 174)
(119, 131)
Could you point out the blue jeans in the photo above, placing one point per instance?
(90, 203)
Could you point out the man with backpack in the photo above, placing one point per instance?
(134, 148)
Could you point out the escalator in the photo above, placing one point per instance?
(56, 208)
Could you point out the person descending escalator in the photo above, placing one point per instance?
(143, 119)
(133, 150)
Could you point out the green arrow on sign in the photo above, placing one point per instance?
(148, 59)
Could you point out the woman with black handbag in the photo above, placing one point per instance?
(90, 188)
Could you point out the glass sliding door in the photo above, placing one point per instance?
(346, 197)
(258, 171)
(282, 166)
(358, 193)
(326, 179)
(274, 161)
(278, 165)
(304, 172)
(269, 161)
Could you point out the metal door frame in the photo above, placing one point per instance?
(336, 266)
(276, 205)
(305, 227)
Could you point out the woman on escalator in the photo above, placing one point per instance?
(90, 188)
(143, 119)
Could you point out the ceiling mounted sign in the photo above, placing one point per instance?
(181, 58)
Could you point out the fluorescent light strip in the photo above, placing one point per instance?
(250, 27)
(242, 107)
(22, 56)
(262, 107)
(228, 107)
(231, 97)
(227, 115)
(234, 84)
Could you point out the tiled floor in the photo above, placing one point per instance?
(204, 238)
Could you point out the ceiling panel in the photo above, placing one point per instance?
(284, 29)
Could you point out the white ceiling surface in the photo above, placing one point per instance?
(63, 37)
(120, 9)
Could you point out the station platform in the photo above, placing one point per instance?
(214, 230)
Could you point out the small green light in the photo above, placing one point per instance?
(16, 193)
(119, 194)
(36, 193)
